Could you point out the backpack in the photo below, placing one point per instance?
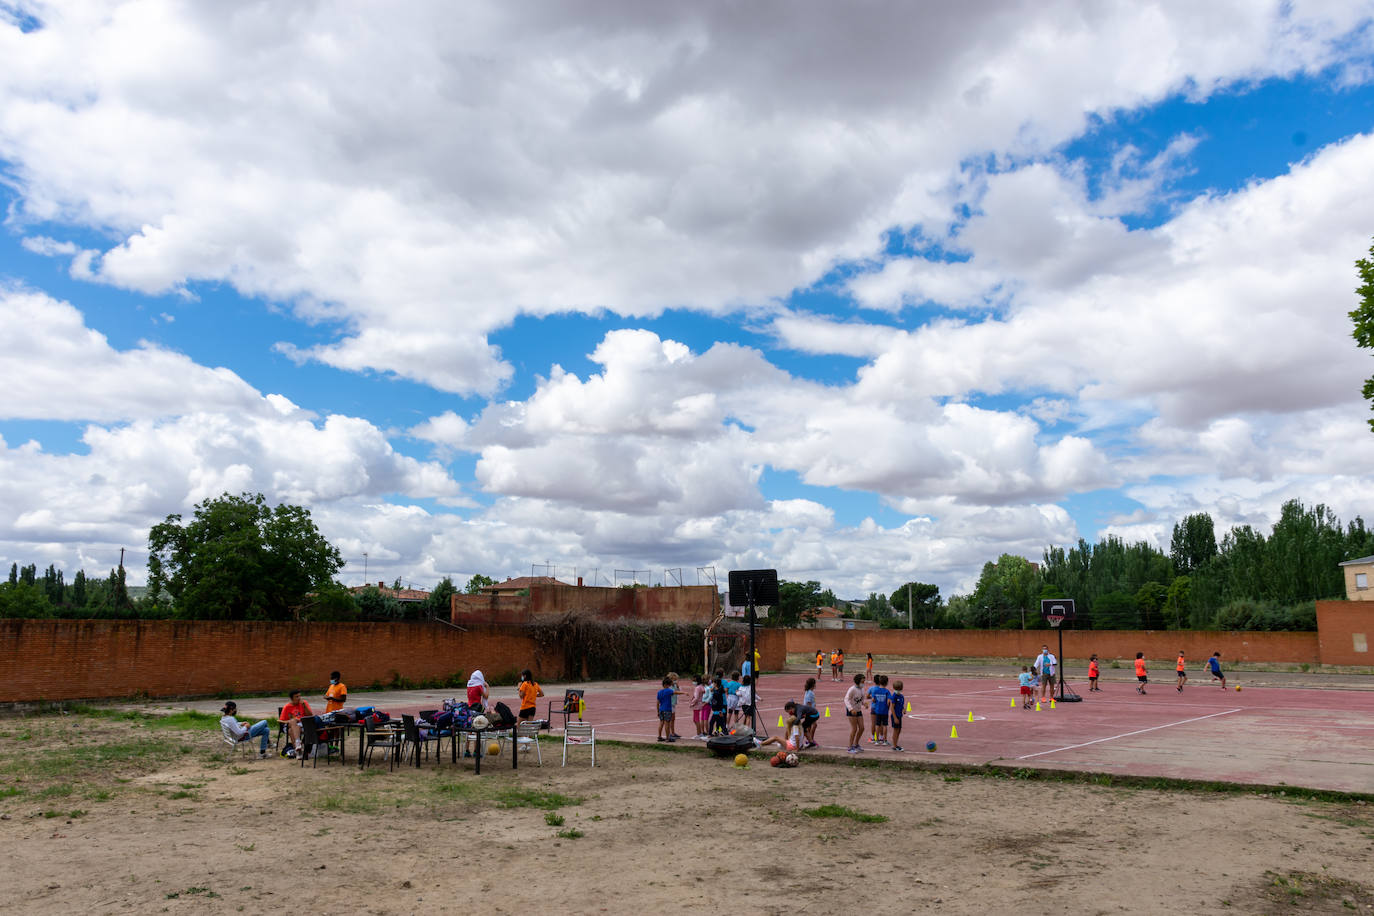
(505, 718)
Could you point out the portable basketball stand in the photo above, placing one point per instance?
(747, 588)
(1056, 611)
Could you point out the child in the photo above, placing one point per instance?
(1179, 668)
(717, 724)
(529, 692)
(835, 665)
(809, 692)
(677, 692)
(1214, 664)
(820, 657)
(792, 740)
(898, 707)
(807, 716)
(841, 664)
(854, 701)
(1092, 673)
(732, 698)
(880, 696)
(701, 712)
(1027, 687)
(1141, 675)
(868, 667)
(665, 710)
(745, 697)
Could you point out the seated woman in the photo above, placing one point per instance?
(291, 715)
(477, 692)
(231, 724)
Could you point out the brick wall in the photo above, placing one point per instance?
(91, 659)
(1346, 630)
(1296, 648)
(688, 604)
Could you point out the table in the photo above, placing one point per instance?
(481, 746)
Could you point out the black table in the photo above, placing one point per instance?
(481, 746)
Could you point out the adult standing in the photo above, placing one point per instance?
(336, 696)
(1045, 666)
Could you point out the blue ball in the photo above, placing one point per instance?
(930, 745)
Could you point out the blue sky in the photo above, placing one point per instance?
(487, 288)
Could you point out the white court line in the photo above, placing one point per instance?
(1139, 731)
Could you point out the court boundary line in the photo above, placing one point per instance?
(1138, 731)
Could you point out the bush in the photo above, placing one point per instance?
(1248, 614)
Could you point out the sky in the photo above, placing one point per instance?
(867, 293)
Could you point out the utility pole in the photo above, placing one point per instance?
(908, 606)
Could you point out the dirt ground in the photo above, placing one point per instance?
(123, 813)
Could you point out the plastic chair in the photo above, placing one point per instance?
(570, 705)
(312, 736)
(417, 740)
(230, 738)
(386, 736)
(526, 737)
(579, 734)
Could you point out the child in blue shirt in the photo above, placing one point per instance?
(665, 711)
(1027, 687)
(898, 707)
(732, 697)
(879, 697)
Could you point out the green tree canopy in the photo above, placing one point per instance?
(239, 559)
(1363, 317)
(477, 583)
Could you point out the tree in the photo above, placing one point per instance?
(924, 604)
(439, 603)
(797, 603)
(239, 559)
(1006, 590)
(477, 583)
(1363, 317)
(1194, 543)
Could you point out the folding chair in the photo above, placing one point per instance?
(312, 736)
(231, 739)
(579, 734)
(527, 736)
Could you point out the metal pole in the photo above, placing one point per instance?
(1060, 628)
(753, 673)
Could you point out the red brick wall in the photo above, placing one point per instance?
(1346, 631)
(1296, 648)
(90, 659)
(688, 604)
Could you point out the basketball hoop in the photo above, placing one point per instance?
(1055, 619)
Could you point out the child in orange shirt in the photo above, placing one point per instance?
(1092, 673)
(529, 692)
(1182, 673)
(1141, 675)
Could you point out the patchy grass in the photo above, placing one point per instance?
(1308, 892)
(841, 811)
(512, 797)
(572, 833)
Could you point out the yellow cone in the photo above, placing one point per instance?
(908, 706)
(1037, 705)
(781, 724)
(1013, 704)
(953, 732)
(1051, 704)
(827, 712)
(970, 715)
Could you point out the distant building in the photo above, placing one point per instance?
(403, 595)
(516, 586)
(1358, 574)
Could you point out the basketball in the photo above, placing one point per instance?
(792, 760)
(1237, 688)
(775, 760)
(741, 760)
(493, 748)
(930, 745)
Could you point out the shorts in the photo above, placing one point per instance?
(808, 721)
(701, 715)
(527, 713)
(896, 721)
(880, 718)
(665, 715)
(791, 745)
(1216, 675)
(1144, 679)
(1025, 690)
(856, 714)
(1181, 673)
